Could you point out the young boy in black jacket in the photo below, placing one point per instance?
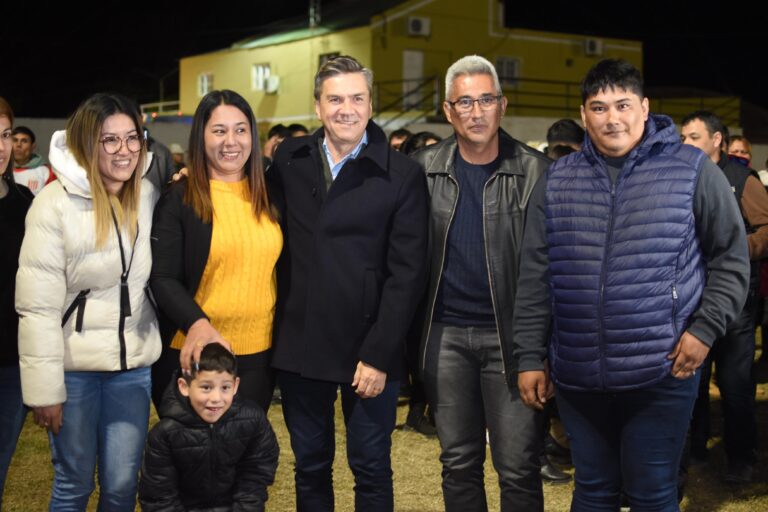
(209, 451)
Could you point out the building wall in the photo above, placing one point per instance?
(295, 63)
(457, 30)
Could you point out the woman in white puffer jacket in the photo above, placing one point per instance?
(88, 332)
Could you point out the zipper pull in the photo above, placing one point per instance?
(674, 292)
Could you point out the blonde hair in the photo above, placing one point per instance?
(83, 134)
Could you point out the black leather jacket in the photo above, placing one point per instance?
(504, 203)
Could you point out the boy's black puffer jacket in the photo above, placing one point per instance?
(193, 465)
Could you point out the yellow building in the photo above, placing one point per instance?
(408, 45)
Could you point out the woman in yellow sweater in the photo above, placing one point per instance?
(215, 243)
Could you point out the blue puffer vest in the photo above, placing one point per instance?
(626, 269)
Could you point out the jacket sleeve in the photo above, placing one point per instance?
(41, 291)
(532, 301)
(720, 229)
(256, 469)
(754, 205)
(159, 480)
(406, 266)
(167, 278)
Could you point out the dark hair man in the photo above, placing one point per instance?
(397, 137)
(30, 169)
(352, 272)
(634, 261)
(565, 132)
(480, 180)
(734, 353)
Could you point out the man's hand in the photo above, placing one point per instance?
(535, 387)
(688, 355)
(199, 335)
(49, 417)
(368, 381)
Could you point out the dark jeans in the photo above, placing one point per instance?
(308, 408)
(630, 441)
(12, 415)
(733, 355)
(466, 386)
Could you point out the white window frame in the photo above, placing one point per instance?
(204, 83)
(260, 73)
(508, 69)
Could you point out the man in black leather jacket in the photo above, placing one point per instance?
(479, 181)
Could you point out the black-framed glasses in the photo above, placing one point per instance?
(113, 143)
(465, 104)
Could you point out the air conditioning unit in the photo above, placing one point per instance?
(419, 26)
(272, 84)
(593, 47)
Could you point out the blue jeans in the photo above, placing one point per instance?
(308, 408)
(630, 441)
(105, 421)
(12, 414)
(468, 391)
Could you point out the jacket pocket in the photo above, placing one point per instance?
(675, 332)
(370, 296)
(77, 304)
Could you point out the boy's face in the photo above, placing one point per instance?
(210, 393)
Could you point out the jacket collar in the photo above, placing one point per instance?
(377, 149)
(509, 153)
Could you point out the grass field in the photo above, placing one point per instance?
(417, 472)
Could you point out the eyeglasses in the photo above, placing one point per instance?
(112, 143)
(464, 105)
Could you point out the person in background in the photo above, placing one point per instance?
(275, 136)
(417, 141)
(215, 243)
(177, 153)
(30, 169)
(397, 137)
(297, 130)
(203, 419)
(87, 330)
(733, 353)
(740, 149)
(565, 132)
(14, 203)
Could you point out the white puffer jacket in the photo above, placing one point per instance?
(58, 261)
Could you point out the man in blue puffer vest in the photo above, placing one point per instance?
(634, 260)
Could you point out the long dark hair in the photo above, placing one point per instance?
(198, 193)
(7, 111)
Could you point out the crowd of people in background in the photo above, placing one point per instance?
(563, 307)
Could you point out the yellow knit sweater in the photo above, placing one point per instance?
(238, 288)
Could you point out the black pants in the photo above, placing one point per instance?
(733, 355)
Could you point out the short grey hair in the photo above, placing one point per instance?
(341, 65)
(470, 65)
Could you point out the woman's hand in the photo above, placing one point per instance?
(199, 335)
(49, 417)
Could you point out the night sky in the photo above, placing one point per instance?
(115, 46)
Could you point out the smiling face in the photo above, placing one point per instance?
(118, 168)
(210, 393)
(344, 108)
(228, 143)
(615, 120)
